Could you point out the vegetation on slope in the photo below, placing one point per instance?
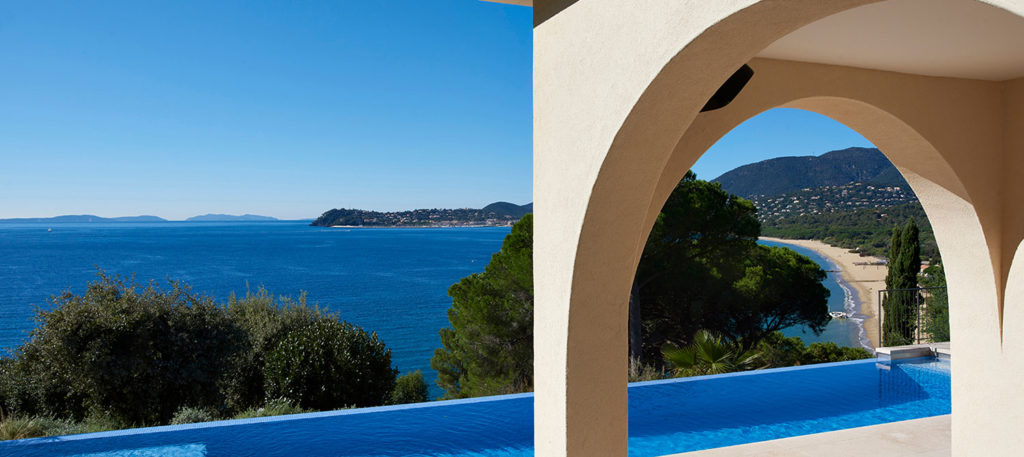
(790, 174)
(865, 230)
(124, 354)
(900, 308)
(499, 213)
(830, 200)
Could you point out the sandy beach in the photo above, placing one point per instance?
(867, 280)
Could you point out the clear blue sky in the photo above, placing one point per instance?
(178, 108)
(780, 132)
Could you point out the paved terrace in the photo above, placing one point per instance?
(928, 437)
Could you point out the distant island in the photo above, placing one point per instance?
(89, 218)
(85, 218)
(496, 214)
(230, 218)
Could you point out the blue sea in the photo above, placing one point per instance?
(391, 281)
(844, 332)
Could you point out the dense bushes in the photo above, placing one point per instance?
(409, 388)
(330, 364)
(712, 354)
(778, 350)
(120, 350)
(122, 354)
(264, 321)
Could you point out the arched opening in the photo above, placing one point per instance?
(625, 153)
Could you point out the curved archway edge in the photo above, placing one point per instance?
(604, 165)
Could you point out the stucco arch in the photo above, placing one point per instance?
(616, 119)
(946, 200)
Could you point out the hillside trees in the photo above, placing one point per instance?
(899, 321)
(867, 230)
(936, 312)
(702, 269)
(489, 348)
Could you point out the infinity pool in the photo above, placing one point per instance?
(665, 417)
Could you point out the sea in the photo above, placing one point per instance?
(393, 281)
(843, 331)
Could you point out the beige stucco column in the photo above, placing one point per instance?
(617, 91)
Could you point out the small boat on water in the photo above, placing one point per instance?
(838, 315)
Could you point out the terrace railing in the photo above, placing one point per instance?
(913, 316)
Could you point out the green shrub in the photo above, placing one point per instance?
(122, 355)
(19, 428)
(409, 388)
(830, 352)
(781, 351)
(56, 427)
(275, 407)
(99, 423)
(190, 415)
(133, 353)
(264, 320)
(640, 371)
(778, 350)
(330, 364)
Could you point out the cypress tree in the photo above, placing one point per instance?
(899, 306)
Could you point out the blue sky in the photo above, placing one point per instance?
(780, 132)
(178, 108)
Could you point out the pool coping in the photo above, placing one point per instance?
(922, 437)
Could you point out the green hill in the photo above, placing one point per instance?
(850, 198)
(509, 209)
(495, 214)
(790, 174)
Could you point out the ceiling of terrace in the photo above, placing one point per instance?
(954, 38)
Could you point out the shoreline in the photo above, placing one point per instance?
(863, 280)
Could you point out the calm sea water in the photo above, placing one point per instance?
(392, 281)
(844, 332)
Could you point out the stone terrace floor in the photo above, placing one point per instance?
(928, 437)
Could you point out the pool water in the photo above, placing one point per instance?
(665, 417)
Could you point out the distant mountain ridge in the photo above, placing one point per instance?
(509, 209)
(230, 218)
(789, 174)
(89, 218)
(85, 218)
(849, 198)
(494, 215)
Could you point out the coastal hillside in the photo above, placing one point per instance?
(509, 209)
(851, 198)
(866, 230)
(830, 200)
(790, 174)
(496, 214)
